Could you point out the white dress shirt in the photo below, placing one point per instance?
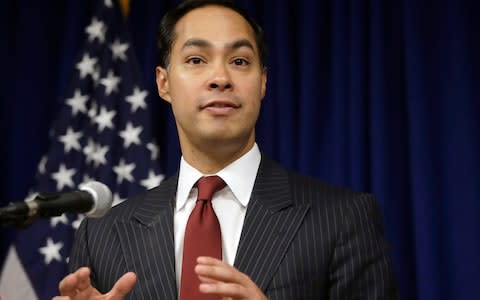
(229, 204)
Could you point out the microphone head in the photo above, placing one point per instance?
(102, 198)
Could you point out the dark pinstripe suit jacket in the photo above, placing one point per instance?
(302, 239)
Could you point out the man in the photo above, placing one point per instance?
(283, 235)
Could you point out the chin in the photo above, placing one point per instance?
(229, 139)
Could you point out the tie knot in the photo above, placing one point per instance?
(209, 185)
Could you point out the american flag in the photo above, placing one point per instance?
(102, 133)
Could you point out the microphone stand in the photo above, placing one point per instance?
(25, 217)
(19, 221)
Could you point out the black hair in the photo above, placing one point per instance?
(166, 36)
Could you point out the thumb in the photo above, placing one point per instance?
(123, 286)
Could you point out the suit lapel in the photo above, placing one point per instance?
(271, 222)
(147, 242)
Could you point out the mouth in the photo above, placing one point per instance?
(220, 107)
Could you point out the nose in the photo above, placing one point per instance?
(220, 79)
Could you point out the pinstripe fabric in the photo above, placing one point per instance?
(302, 239)
(136, 235)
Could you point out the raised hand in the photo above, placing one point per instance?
(77, 286)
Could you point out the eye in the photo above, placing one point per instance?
(194, 60)
(241, 62)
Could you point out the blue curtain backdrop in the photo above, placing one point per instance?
(380, 96)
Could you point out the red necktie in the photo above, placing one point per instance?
(202, 238)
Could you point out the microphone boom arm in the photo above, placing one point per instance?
(25, 213)
(93, 199)
(22, 216)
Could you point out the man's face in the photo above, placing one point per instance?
(214, 81)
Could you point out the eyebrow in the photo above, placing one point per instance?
(201, 43)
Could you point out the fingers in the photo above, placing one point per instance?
(75, 282)
(230, 290)
(77, 285)
(123, 286)
(206, 279)
(212, 269)
(218, 277)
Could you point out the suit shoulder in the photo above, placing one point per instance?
(325, 197)
(304, 188)
(304, 181)
(309, 189)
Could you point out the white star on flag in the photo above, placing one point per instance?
(42, 164)
(119, 49)
(153, 150)
(110, 82)
(104, 119)
(51, 251)
(60, 219)
(96, 77)
(92, 112)
(70, 140)
(96, 30)
(131, 135)
(152, 181)
(108, 3)
(86, 178)
(76, 223)
(87, 65)
(64, 177)
(89, 150)
(78, 102)
(99, 155)
(117, 199)
(137, 99)
(124, 171)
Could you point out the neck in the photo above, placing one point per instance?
(212, 158)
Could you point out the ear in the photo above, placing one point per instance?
(264, 81)
(163, 84)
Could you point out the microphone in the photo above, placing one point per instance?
(93, 198)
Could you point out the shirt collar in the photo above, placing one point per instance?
(239, 176)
